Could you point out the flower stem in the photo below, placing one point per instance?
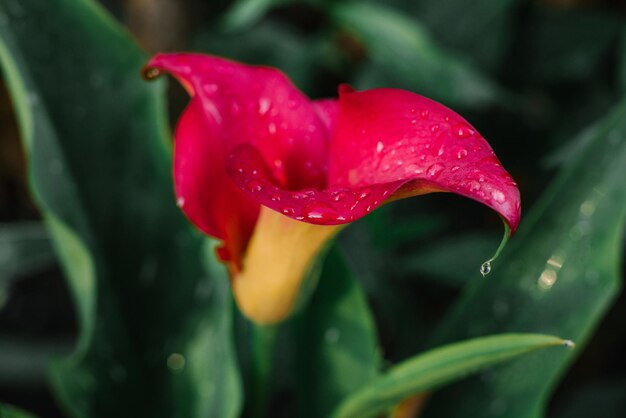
(263, 342)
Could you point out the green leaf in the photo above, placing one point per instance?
(405, 50)
(435, 368)
(155, 321)
(559, 275)
(7, 411)
(337, 350)
(24, 248)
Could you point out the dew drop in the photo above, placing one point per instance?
(271, 128)
(379, 147)
(440, 152)
(287, 210)
(365, 193)
(320, 211)
(264, 105)
(498, 196)
(254, 186)
(180, 202)
(485, 269)
(461, 154)
(275, 197)
(413, 122)
(211, 88)
(300, 195)
(569, 344)
(455, 168)
(463, 131)
(414, 169)
(424, 113)
(434, 128)
(434, 170)
(474, 186)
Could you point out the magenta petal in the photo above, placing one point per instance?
(233, 104)
(387, 135)
(331, 206)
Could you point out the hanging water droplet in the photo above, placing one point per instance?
(569, 344)
(485, 269)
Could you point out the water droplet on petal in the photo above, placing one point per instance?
(339, 195)
(474, 186)
(569, 344)
(320, 211)
(379, 146)
(180, 202)
(461, 154)
(424, 113)
(441, 150)
(463, 131)
(434, 128)
(271, 128)
(264, 105)
(498, 196)
(275, 197)
(414, 169)
(434, 170)
(485, 269)
(455, 168)
(287, 210)
(254, 186)
(365, 193)
(211, 88)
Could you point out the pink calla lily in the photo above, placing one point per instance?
(273, 175)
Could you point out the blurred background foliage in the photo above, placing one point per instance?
(543, 81)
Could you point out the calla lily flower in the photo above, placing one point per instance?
(274, 175)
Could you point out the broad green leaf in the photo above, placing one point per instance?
(559, 275)
(435, 368)
(155, 322)
(405, 50)
(7, 411)
(24, 248)
(336, 343)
